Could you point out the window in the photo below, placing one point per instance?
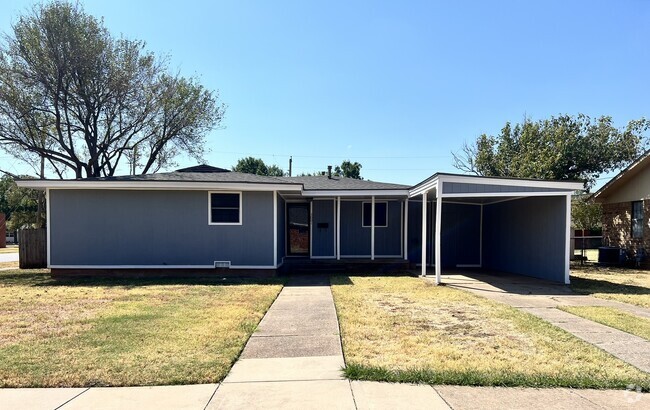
(225, 208)
(381, 214)
(637, 219)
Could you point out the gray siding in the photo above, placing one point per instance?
(322, 239)
(526, 237)
(282, 229)
(355, 239)
(462, 188)
(114, 227)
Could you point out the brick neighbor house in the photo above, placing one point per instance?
(626, 209)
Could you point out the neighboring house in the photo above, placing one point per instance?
(626, 209)
(210, 218)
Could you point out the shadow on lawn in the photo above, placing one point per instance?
(589, 286)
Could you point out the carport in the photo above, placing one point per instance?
(516, 226)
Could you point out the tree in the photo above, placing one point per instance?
(563, 148)
(250, 165)
(585, 213)
(20, 205)
(79, 99)
(348, 169)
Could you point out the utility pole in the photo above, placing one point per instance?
(290, 163)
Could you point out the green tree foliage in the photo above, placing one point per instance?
(585, 213)
(349, 169)
(85, 101)
(563, 148)
(250, 165)
(20, 205)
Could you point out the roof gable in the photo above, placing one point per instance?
(624, 177)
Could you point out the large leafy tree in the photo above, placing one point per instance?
(251, 165)
(349, 169)
(80, 99)
(564, 148)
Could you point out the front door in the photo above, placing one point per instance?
(298, 229)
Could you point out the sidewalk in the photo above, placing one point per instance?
(294, 361)
(541, 299)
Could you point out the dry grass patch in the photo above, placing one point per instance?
(12, 265)
(405, 329)
(9, 249)
(118, 333)
(623, 285)
(613, 317)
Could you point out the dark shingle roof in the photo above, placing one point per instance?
(340, 183)
(201, 176)
(202, 168)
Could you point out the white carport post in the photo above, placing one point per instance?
(438, 230)
(567, 243)
(424, 234)
(372, 229)
(338, 228)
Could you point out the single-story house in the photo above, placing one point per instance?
(210, 218)
(626, 209)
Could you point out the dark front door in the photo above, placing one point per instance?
(298, 229)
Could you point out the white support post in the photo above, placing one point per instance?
(275, 229)
(567, 256)
(438, 231)
(424, 234)
(372, 229)
(48, 227)
(406, 229)
(338, 228)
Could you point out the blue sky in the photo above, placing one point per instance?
(394, 85)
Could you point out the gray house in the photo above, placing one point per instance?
(210, 218)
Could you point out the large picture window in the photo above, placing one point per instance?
(381, 214)
(637, 219)
(225, 208)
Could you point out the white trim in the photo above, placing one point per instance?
(480, 243)
(241, 206)
(425, 187)
(338, 228)
(372, 212)
(49, 228)
(567, 256)
(423, 244)
(570, 185)
(406, 229)
(438, 237)
(311, 227)
(519, 195)
(334, 226)
(157, 185)
(275, 229)
(358, 193)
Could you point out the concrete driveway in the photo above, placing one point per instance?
(9, 257)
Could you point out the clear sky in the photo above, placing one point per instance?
(394, 85)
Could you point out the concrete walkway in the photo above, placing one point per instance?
(541, 298)
(294, 361)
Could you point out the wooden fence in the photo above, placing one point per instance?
(32, 248)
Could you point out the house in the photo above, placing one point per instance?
(210, 218)
(626, 209)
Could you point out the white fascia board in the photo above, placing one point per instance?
(425, 187)
(356, 193)
(519, 195)
(156, 185)
(568, 185)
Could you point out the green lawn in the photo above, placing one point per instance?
(613, 317)
(405, 329)
(123, 333)
(623, 285)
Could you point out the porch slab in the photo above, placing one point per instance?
(299, 395)
(292, 346)
(286, 369)
(37, 399)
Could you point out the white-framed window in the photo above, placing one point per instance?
(637, 219)
(224, 208)
(381, 214)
